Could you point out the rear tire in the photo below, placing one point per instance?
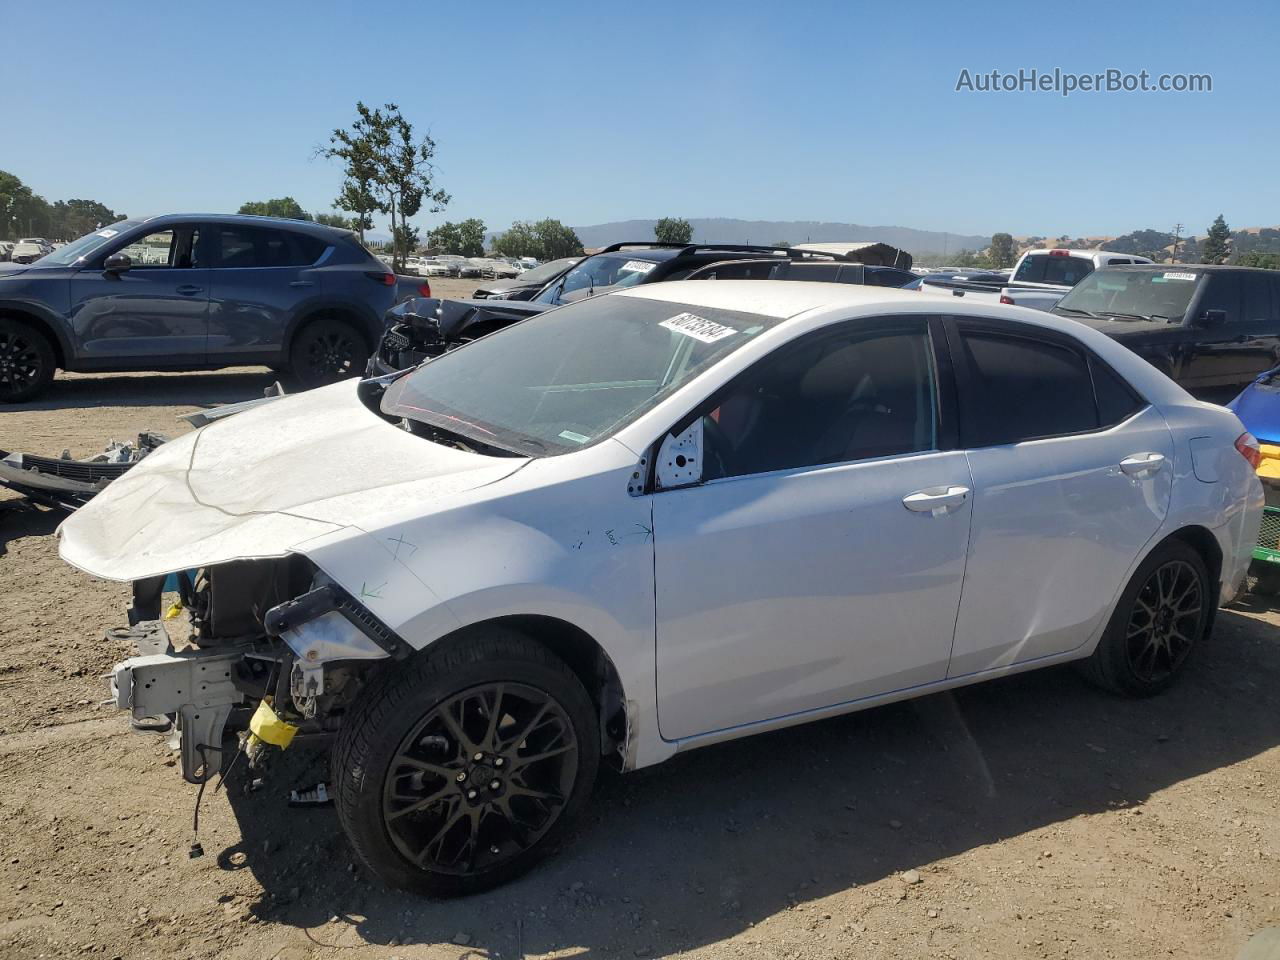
(27, 361)
(327, 350)
(1162, 616)
(472, 760)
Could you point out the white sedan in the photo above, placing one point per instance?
(657, 520)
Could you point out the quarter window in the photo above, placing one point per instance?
(827, 399)
(164, 248)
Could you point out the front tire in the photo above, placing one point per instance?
(1163, 614)
(27, 361)
(463, 768)
(325, 351)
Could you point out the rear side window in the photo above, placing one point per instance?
(1017, 388)
(257, 247)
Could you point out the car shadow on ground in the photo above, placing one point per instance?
(155, 390)
(19, 519)
(696, 850)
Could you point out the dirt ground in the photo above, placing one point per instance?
(1030, 817)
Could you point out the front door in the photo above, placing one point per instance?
(820, 559)
(157, 310)
(1072, 475)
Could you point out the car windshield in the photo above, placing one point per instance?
(86, 246)
(572, 376)
(1140, 293)
(623, 269)
(545, 272)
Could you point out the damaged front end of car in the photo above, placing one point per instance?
(425, 327)
(275, 653)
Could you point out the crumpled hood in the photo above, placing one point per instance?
(263, 482)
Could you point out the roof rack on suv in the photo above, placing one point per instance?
(688, 248)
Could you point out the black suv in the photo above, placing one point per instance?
(1204, 326)
(194, 292)
(421, 328)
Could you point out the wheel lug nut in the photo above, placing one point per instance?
(494, 849)
(499, 762)
(478, 757)
(462, 777)
(495, 784)
(471, 794)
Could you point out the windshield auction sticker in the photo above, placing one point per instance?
(1179, 276)
(637, 266)
(700, 328)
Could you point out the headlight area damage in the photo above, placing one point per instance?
(276, 652)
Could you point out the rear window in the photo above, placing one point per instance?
(1053, 268)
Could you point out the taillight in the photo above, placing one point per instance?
(424, 289)
(1247, 444)
(1059, 253)
(1005, 298)
(386, 279)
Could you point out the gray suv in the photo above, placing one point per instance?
(194, 292)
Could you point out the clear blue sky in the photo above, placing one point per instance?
(594, 112)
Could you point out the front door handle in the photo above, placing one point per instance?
(1142, 464)
(189, 289)
(936, 501)
(302, 283)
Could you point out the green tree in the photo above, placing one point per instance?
(336, 220)
(465, 239)
(22, 212)
(406, 239)
(1002, 252)
(385, 159)
(1268, 261)
(673, 230)
(519, 240)
(555, 240)
(285, 207)
(1217, 242)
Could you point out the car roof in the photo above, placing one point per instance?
(302, 226)
(776, 298)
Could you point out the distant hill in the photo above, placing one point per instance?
(726, 230)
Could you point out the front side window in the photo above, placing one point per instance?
(1257, 296)
(572, 376)
(1019, 388)
(161, 249)
(855, 395)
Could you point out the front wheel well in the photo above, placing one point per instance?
(42, 327)
(588, 661)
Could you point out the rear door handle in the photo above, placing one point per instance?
(1142, 464)
(936, 500)
(302, 283)
(189, 289)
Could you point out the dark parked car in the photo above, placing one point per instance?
(194, 292)
(1204, 326)
(526, 285)
(422, 328)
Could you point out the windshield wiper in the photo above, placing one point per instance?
(1127, 316)
(1083, 313)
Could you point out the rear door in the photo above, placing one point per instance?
(1072, 474)
(258, 278)
(157, 311)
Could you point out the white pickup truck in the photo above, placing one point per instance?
(1040, 280)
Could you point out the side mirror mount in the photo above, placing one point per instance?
(680, 457)
(1213, 318)
(117, 264)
